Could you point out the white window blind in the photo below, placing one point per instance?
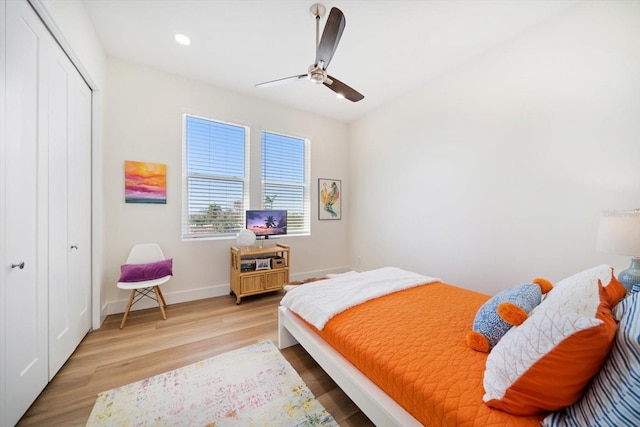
(285, 179)
(216, 178)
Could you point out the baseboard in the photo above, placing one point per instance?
(119, 306)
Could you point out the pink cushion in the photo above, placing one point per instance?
(148, 271)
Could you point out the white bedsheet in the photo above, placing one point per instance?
(318, 302)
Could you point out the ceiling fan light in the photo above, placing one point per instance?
(317, 78)
(340, 95)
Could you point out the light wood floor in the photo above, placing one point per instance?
(110, 357)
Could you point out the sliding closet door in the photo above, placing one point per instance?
(23, 291)
(69, 135)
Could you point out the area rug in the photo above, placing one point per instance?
(252, 386)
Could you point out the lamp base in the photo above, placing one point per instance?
(631, 275)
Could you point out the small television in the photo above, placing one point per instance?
(267, 223)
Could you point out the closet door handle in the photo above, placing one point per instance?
(74, 246)
(20, 265)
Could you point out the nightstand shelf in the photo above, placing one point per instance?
(248, 277)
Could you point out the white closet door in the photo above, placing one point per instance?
(79, 237)
(45, 208)
(23, 293)
(69, 135)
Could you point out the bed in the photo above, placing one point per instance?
(401, 355)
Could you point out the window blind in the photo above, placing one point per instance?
(216, 183)
(285, 179)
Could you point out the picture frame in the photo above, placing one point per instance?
(263, 264)
(145, 182)
(329, 199)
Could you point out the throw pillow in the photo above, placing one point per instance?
(148, 271)
(613, 398)
(615, 290)
(602, 273)
(546, 363)
(508, 308)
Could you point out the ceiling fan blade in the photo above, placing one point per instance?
(330, 37)
(281, 81)
(342, 89)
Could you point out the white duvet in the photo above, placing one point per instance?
(318, 302)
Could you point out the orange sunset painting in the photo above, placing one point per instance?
(145, 182)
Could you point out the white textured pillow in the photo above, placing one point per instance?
(545, 363)
(613, 398)
(592, 275)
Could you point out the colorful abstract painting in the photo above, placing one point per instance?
(145, 182)
(330, 201)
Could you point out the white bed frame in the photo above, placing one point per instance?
(371, 400)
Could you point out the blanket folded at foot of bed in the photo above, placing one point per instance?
(317, 303)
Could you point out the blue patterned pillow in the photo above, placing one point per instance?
(613, 398)
(490, 325)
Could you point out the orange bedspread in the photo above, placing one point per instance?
(411, 344)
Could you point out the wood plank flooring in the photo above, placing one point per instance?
(110, 357)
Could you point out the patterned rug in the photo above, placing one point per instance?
(252, 386)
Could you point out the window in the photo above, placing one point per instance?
(285, 179)
(216, 191)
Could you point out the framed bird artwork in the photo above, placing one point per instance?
(329, 198)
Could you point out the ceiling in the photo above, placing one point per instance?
(387, 48)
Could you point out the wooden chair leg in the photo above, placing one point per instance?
(160, 301)
(126, 312)
(161, 296)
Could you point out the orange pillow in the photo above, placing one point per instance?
(615, 290)
(546, 363)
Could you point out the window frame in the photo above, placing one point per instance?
(185, 228)
(305, 185)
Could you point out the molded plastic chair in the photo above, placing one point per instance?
(141, 254)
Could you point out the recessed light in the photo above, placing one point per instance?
(182, 39)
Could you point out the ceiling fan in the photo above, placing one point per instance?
(325, 48)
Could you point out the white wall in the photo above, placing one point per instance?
(511, 157)
(143, 122)
(496, 173)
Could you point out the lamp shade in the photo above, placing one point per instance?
(619, 233)
(246, 238)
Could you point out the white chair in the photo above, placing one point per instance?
(141, 254)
